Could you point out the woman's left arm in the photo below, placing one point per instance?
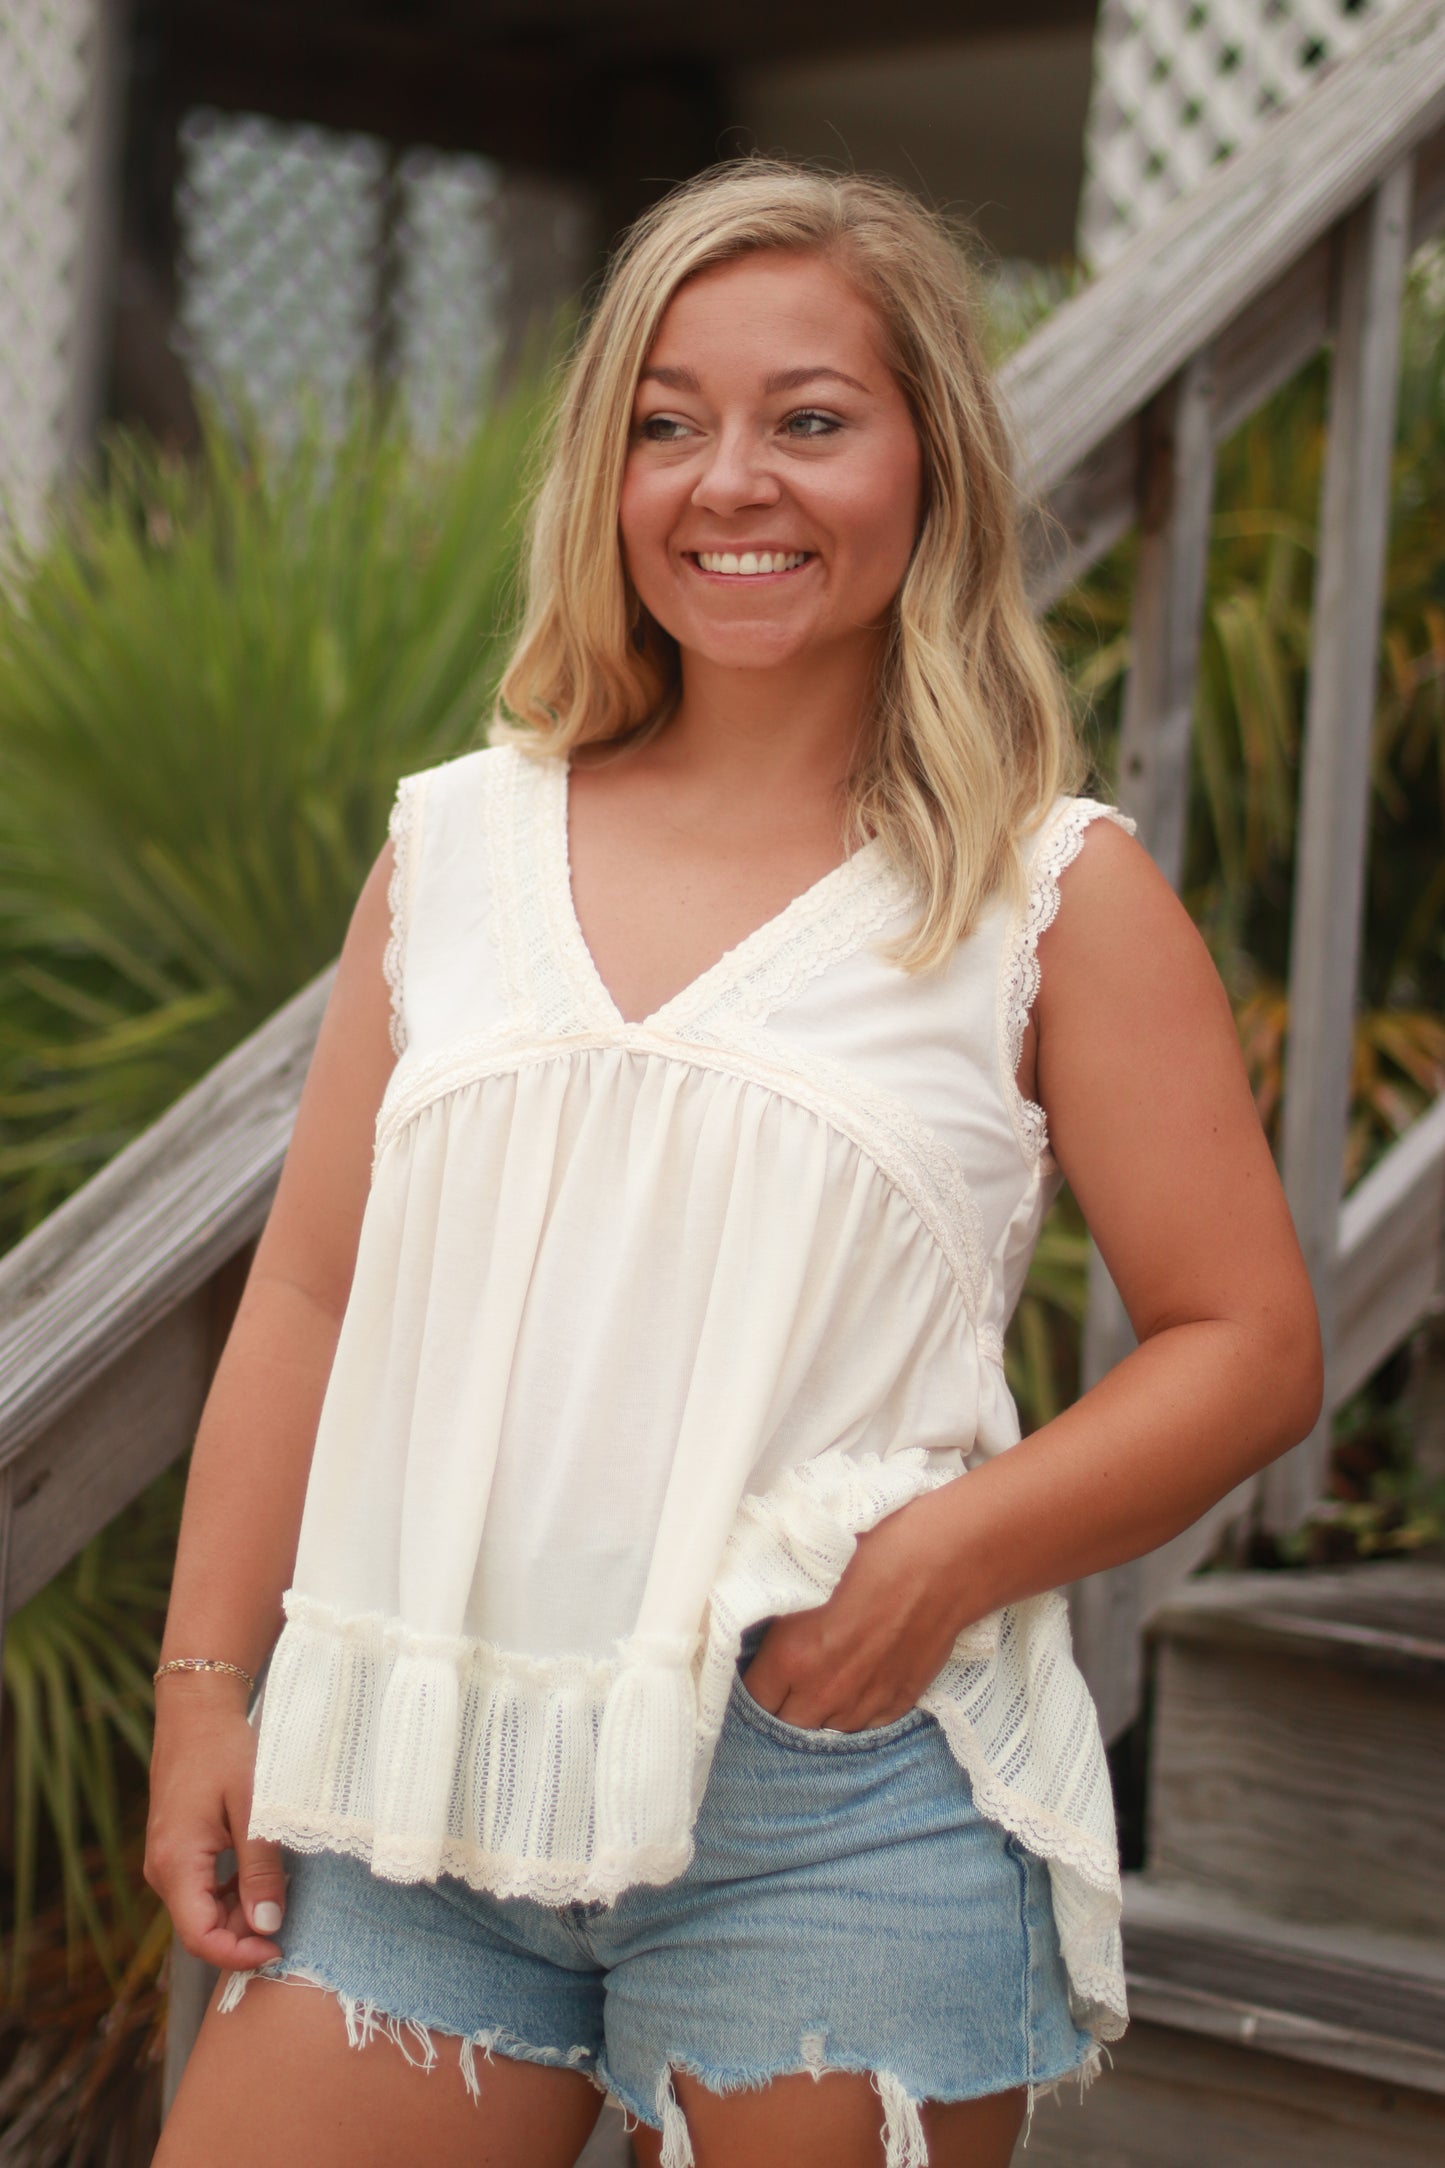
(1152, 1121)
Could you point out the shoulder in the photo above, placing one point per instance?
(1067, 828)
(1117, 942)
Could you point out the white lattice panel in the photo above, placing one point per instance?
(1179, 84)
(310, 259)
(281, 233)
(48, 52)
(450, 286)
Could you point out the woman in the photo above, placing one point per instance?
(674, 1697)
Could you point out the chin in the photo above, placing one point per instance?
(743, 647)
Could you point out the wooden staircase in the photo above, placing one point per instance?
(1285, 1943)
(111, 1314)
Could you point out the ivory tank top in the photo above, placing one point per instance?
(649, 1322)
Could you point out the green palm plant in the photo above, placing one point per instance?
(210, 678)
(77, 1672)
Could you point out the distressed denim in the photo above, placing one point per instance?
(847, 1908)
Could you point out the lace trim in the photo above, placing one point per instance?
(772, 963)
(1061, 843)
(541, 996)
(557, 957)
(819, 928)
(401, 828)
(508, 882)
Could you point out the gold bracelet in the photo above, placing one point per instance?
(203, 1663)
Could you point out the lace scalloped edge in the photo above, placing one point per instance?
(819, 929)
(400, 828)
(1019, 977)
(500, 1874)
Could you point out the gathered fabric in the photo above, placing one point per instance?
(650, 1322)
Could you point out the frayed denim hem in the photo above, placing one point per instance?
(364, 2022)
(904, 2143)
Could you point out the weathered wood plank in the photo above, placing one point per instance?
(1298, 1748)
(1335, 788)
(151, 1228)
(1269, 342)
(1369, 1994)
(1177, 503)
(1390, 1272)
(1110, 349)
(1175, 2098)
(119, 1433)
(1091, 509)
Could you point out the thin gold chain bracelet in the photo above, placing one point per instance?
(203, 1663)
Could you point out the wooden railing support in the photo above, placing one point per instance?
(1176, 505)
(1335, 791)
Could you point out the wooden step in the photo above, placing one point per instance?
(1297, 1759)
(1260, 2043)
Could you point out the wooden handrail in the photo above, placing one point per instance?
(107, 1319)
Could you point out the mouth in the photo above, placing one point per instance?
(748, 564)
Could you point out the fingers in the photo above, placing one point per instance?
(815, 1681)
(208, 1922)
(230, 1924)
(261, 1883)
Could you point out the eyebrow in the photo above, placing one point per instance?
(781, 380)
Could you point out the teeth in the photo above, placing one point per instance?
(751, 562)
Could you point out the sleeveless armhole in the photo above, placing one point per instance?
(402, 828)
(1057, 847)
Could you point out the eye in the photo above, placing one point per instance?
(811, 423)
(662, 429)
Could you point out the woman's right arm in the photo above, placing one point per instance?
(248, 1471)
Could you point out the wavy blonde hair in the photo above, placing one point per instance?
(974, 736)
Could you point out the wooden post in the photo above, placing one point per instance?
(7, 1518)
(1176, 505)
(1335, 787)
(95, 297)
(189, 1985)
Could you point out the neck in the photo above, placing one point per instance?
(791, 731)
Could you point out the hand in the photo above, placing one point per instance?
(201, 1777)
(863, 1658)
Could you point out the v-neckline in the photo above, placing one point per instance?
(731, 968)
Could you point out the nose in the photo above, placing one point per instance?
(736, 475)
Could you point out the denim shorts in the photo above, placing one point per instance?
(847, 1909)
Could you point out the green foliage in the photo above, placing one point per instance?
(210, 679)
(78, 1693)
(1381, 1504)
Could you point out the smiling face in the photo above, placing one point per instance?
(773, 482)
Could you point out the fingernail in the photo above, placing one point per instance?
(266, 1918)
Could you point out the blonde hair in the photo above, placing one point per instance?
(974, 737)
